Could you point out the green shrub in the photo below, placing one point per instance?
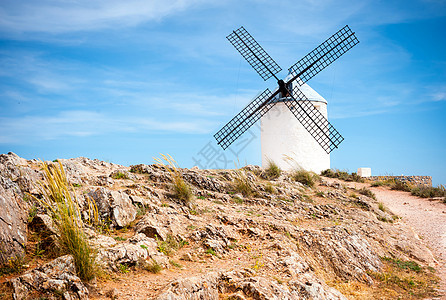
(429, 192)
(153, 267)
(399, 185)
(120, 175)
(272, 171)
(343, 175)
(367, 192)
(304, 177)
(63, 208)
(241, 183)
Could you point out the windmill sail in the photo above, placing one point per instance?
(245, 119)
(254, 54)
(323, 55)
(311, 64)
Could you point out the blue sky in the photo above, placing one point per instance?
(123, 81)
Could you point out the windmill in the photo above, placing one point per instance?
(296, 112)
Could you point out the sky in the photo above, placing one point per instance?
(123, 81)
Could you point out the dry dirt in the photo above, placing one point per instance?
(426, 217)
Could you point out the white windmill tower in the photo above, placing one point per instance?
(297, 128)
(286, 142)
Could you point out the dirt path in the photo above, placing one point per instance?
(426, 217)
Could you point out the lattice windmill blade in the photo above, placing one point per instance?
(254, 54)
(323, 55)
(314, 121)
(245, 119)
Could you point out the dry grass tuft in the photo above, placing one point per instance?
(272, 171)
(59, 199)
(181, 190)
(305, 177)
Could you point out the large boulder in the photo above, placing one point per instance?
(115, 206)
(13, 220)
(242, 285)
(57, 275)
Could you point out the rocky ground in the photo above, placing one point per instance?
(284, 241)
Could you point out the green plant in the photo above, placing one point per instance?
(153, 267)
(270, 189)
(141, 209)
(305, 177)
(320, 194)
(119, 239)
(32, 213)
(429, 192)
(399, 185)
(272, 171)
(169, 246)
(381, 206)
(77, 185)
(241, 183)
(367, 192)
(61, 203)
(411, 265)
(211, 251)
(123, 268)
(181, 190)
(343, 175)
(175, 264)
(14, 265)
(119, 175)
(237, 200)
(353, 195)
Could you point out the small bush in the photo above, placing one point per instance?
(14, 265)
(429, 192)
(272, 171)
(181, 190)
(270, 189)
(404, 265)
(153, 267)
(381, 206)
(304, 177)
(399, 185)
(367, 192)
(170, 245)
(342, 175)
(119, 175)
(242, 184)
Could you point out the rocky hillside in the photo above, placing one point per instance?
(242, 235)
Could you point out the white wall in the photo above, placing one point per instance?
(283, 136)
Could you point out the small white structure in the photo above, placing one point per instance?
(286, 142)
(365, 172)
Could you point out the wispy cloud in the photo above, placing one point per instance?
(86, 123)
(66, 16)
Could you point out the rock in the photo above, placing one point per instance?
(160, 225)
(114, 205)
(13, 219)
(240, 285)
(137, 248)
(348, 255)
(57, 275)
(204, 182)
(215, 237)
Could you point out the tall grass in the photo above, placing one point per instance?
(59, 199)
(305, 177)
(181, 190)
(242, 184)
(272, 171)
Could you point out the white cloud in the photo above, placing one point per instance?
(86, 123)
(66, 16)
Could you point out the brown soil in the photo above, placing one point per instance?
(426, 217)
